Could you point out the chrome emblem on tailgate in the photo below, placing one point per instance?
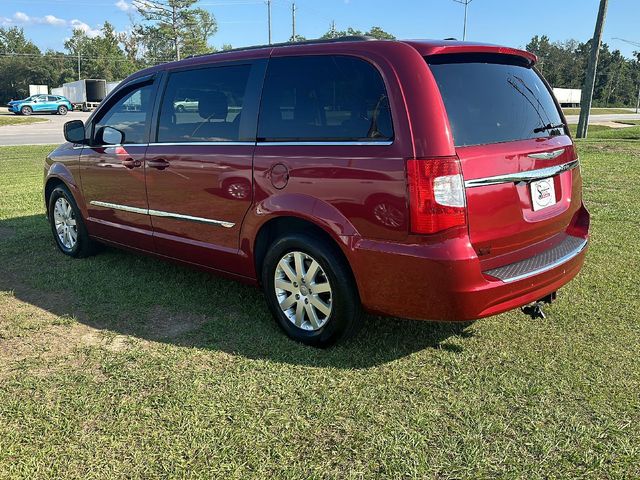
(547, 155)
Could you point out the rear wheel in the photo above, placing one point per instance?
(67, 226)
(62, 110)
(310, 290)
(26, 110)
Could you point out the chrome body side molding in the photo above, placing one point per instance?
(160, 213)
(529, 176)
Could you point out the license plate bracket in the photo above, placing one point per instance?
(543, 193)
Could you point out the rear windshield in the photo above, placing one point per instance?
(493, 99)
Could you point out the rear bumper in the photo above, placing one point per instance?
(445, 281)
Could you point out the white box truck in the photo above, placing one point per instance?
(85, 94)
(38, 89)
(568, 97)
(57, 91)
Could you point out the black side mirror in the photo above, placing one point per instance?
(74, 131)
(112, 136)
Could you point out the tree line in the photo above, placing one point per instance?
(167, 30)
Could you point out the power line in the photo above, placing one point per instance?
(466, 6)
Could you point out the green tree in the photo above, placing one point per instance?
(20, 63)
(375, 32)
(174, 27)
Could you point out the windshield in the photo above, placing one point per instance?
(494, 99)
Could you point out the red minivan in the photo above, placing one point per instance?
(422, 179)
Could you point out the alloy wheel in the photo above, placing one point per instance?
(303, 291)
(65, 223)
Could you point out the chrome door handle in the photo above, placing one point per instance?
(159, 163)
(131, 163)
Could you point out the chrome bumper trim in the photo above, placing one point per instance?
(160, 213)
(547, 260)
(529, 176)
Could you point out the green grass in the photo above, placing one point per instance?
(13, 119)
(597, 111)
(603, 132)
(123, 366)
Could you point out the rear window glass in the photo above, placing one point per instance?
(324, 98)
(492, 100)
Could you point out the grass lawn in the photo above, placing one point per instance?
(12, 119)
(597, 111)
(603, 132)
(123, 366)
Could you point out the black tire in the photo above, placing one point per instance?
(84, 245)
(26, 110)
(345, 318)
(62, 110)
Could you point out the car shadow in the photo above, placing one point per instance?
(155, 300)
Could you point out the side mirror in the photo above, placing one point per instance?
(74, 131)
(112, 136)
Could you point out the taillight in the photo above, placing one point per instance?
(436, 194)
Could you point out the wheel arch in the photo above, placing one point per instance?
(280, 225)
(59, 175)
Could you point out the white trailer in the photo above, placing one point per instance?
(111, 86)
(85, 94)
(38, 90)
(57, 91)
(568, 97)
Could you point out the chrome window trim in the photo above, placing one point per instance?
(320, 143)
(161, 213)
(548, 267)
(176, 144)
(529, 176)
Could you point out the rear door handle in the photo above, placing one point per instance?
(131, 163)
(159, 163)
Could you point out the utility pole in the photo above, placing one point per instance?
(293, 21)
(466, 6)
(269, 18)
(333, 28)
(592, 67)
(78, 49)
(635, 44)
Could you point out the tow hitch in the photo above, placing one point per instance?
(534, 310)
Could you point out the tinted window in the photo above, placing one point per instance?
(130, 114)
(52, 99)
(203, 105)
(490, 102)
(323, 98)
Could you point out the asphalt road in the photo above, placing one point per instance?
(41, 133)
(50, 132)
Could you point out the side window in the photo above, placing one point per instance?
(324, 98)
(130, 114)
(52, 99)
(203, 105)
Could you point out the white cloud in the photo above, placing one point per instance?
(79, 25)
(21, 18)
(124, 6)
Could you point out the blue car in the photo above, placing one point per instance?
(40, 104)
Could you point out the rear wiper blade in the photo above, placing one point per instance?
(548, 126)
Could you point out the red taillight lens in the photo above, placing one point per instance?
(436, 194)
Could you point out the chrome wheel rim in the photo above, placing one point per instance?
(303, 291)
(65, 223)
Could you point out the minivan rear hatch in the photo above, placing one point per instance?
(518, 162)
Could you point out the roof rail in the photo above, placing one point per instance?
(346, 38)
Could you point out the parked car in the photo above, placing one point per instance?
(40, 104)
(421, 179)
(186, 105)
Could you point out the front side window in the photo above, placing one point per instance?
(324, 98)
(203, 105)
(130, 114)
(494, 99)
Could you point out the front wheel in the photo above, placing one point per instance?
(67, 225)
(26, 110)
(62, 110)
(310, 290)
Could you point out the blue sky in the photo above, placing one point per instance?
(243, 22)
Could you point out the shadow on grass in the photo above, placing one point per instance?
(155, 300)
